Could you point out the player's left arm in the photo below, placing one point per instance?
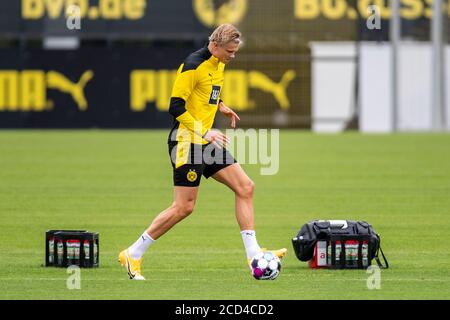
(229, 113)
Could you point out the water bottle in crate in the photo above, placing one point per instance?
(73, 247)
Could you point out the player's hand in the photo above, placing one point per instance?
(229, 113)
(217, 138)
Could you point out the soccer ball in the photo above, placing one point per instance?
(265, 266)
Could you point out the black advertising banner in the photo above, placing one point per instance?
(10, 18)
(130, 88)
(100, 18)
(292, 22)
(86, 88)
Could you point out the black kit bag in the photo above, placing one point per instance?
(349, 244)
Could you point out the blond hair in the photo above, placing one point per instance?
(225, 33)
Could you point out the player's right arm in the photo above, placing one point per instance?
(184, 85)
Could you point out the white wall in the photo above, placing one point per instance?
(375, 88)
(333, 79)
(414, 85)
(333, 86)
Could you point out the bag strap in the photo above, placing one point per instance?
(377, 259)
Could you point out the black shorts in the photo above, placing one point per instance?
(191, 161)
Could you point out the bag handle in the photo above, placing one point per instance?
(377, 259)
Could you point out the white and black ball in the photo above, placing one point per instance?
(265, 266)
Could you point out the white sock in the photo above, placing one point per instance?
(137, 249)
(250, 243)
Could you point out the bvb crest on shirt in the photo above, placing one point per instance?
(213, 13)
(191, 175)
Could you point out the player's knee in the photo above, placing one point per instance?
(184, 209)
(188, 208)
(246, 189)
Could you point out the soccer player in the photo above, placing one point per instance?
(196, 149)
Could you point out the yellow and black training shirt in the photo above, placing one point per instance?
(195, 96)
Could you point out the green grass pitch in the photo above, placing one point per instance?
(115, 182)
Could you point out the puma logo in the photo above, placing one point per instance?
(58, 81)
(238, 87)
(259, 80)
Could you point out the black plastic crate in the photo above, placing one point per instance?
(72, 247)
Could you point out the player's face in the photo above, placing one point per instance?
(226, 52)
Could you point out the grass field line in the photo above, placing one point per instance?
(218, 280)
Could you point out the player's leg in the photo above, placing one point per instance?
(187, 167)
(182, 206)
(237, 180)
(186, 178)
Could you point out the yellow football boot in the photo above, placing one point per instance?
(133, 266)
